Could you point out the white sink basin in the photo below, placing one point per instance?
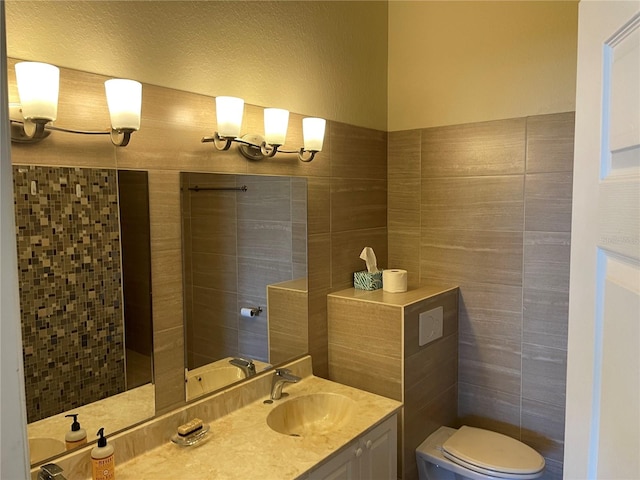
(42, 448)
(314, 414)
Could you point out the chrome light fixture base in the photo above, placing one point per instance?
(28, 131)
(307, 159)
(252, 146)
(120, 138)
(33, 131)
(221, 143)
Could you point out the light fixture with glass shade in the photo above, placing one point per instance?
(38, 86)
(124, 99)
(229, 112)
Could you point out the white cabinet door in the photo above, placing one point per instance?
(379, 458)
(373, 456)
(343, 466)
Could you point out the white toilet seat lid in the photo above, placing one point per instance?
(491, 451)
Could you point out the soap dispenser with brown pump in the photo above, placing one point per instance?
(103, 464)
(76, 436)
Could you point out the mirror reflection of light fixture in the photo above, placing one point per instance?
(229, 111)
(38, 86)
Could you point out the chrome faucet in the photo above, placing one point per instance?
(247, 366)
(282, 376)
(50, 471)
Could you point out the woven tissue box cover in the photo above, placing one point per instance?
(367, 281)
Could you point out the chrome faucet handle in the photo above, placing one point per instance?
(251, 368)
(286, 375)
(280, 377)
(247, 366)
(50, 471)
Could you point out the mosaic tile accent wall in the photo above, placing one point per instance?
(70, 286)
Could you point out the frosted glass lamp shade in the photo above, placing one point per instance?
(38, 85)
(313, 133)
(276, 121)
(229, 112)
(124, 99)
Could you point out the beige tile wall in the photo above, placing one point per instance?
(430, 377)
(288, 302)
(168, 142)
(488, 206)
(374, 346)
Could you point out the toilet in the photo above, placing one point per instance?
(470, 453)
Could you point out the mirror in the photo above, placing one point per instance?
(243, 236)
(84, 267)
(288, 331)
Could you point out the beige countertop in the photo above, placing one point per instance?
(298, 284)
(394, 299)
(240, 445)
(116, 412)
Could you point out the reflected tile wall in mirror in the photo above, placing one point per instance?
(235, 243)
(133, 193)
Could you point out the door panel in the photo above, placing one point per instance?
(619, 418)
(602, 438)
(616, 421)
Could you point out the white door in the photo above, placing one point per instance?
(602, 435)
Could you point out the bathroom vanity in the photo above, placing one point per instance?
(370, 456)
(317, 428)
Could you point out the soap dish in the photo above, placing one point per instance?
(192, 438)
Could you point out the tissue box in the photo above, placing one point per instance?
(367, 281)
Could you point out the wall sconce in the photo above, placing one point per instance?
(229, 111)
(38, 86)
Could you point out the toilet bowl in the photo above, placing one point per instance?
(476, 454)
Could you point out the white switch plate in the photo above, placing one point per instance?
(430, 326)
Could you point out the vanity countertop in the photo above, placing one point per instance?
(118, 411)
(240, 445)
(394, 299)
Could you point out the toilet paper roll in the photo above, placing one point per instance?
(394, 280)
(249, 312)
